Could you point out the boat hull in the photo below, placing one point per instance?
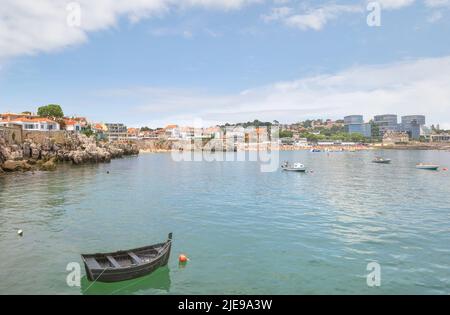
(382, 162)
(115, 274)
(428, 168)
(294, 170)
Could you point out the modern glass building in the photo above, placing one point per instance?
(386, 123)
(413, 119)
(413, 125)
(353, 119)
(355, 124)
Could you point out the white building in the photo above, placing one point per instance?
(439, 138)
(172, 132)
(33, 124)
(73, 125)
(302, 142)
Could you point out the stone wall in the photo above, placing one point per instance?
(154, 145)
(40, 137)
(12, 134)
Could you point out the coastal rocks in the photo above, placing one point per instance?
(5, 154)
(78, 157)
(63, 155)
(50, 165)
(31, 150)
(32, 161)
(13, 152)
(90, 154)
(45, 154)
(35, 151)
(14, 166)
(16, 155)
(26, 149)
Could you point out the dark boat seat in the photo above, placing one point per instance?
(113, 261)
(135, 257)
(92, 263)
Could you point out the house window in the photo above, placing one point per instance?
(50, 127)
(29, 126)
(42, 127)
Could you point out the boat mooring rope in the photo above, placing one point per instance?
(93, 282)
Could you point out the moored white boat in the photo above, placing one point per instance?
(381, 160)
(297, 167)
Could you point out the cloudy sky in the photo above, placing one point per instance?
(155, 62)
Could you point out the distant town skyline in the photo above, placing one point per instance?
(159, 62)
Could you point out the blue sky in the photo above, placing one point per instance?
(157, 62)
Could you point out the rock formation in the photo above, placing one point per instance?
(77, 149)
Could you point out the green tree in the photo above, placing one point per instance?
(87, 131)
(375, 130)
(307, 123)
(51, 111)
(356, 137)
(312, 137)
(286, 134)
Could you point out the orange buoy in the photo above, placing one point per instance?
(182, 259)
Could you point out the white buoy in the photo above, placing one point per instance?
(20, 232)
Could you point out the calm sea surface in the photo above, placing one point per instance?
(246, 232)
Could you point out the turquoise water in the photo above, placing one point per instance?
(246, 232)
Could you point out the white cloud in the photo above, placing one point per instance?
(317, 18)
(395, 4)
(30, 26)
(312, 18)
(277, 13)
(438, 6)
(410, 87)
(185, 33)
(435, 16)
(437, 3)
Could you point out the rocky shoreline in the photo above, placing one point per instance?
(45, 155)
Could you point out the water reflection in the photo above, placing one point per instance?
(331, 222)
(158, 280)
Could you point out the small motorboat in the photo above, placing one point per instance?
(127, 264)
(425, 166)
(381, 160)
(315, 150)
(297, 167)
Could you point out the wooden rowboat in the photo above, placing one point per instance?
(127, 264)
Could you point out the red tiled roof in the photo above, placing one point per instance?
(38, 120)
(171, 127)
(71, 122)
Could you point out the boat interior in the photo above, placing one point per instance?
(123, 259)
